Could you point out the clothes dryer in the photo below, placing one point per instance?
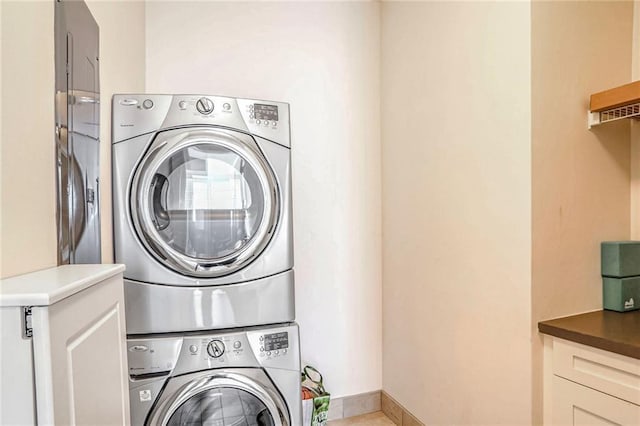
(202, 211)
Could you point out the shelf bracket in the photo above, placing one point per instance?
(613, 114)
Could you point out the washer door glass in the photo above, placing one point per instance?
(223, 406)
(205, 203)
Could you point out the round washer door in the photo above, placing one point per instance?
(204, 202)
(226, 400)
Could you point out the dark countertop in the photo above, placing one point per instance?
(617, 332)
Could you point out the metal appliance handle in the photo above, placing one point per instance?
(160, 214)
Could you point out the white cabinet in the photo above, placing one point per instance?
(589, 386)
(73, 369)
(575, 404)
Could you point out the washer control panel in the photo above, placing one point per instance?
(208, 350)
(275, 347)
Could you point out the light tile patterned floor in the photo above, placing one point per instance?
(373, 419)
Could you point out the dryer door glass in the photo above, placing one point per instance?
(205, 206)
(222, 406)
(207, 201)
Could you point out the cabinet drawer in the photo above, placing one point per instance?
(574, 404)
(607, 372)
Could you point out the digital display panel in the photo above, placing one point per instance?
(276, 341)
(265, 112)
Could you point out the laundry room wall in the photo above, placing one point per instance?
(456, 155)
(580, 177)
(508, 221)
(27, 163)
(635, 129)
(27, 192)
(322, 58)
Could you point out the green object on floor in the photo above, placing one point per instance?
(315, 405)
(621, 294)
(320, 410)
(620, 259)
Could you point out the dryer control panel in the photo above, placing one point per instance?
(138, 114)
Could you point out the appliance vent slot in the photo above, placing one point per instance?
(614, 114)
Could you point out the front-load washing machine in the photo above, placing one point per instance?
(247, 377)
(202, 211)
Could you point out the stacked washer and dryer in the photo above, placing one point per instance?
(203, 223)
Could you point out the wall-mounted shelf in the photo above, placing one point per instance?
(615, 104)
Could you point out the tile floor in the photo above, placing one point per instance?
(373, 419)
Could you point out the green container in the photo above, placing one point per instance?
(620, 259)
(621, 294)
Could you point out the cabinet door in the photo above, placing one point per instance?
(80, 358)
(574, 404)
(607, 372)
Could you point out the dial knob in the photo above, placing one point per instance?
(215, 348)
(204, 106)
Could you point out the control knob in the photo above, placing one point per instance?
(204, 106)
(215, 348)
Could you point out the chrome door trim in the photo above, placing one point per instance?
(215, 380)
(141, 214)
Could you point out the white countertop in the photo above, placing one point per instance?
(46, 287)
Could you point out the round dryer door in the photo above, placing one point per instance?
(225, 400)
(204, 202)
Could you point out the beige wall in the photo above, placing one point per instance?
(27, 187)
(580, 177)
(28, 232)
(1, 144)
(635, 129)
(122, 67)
(456, 154)
(323, 58)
